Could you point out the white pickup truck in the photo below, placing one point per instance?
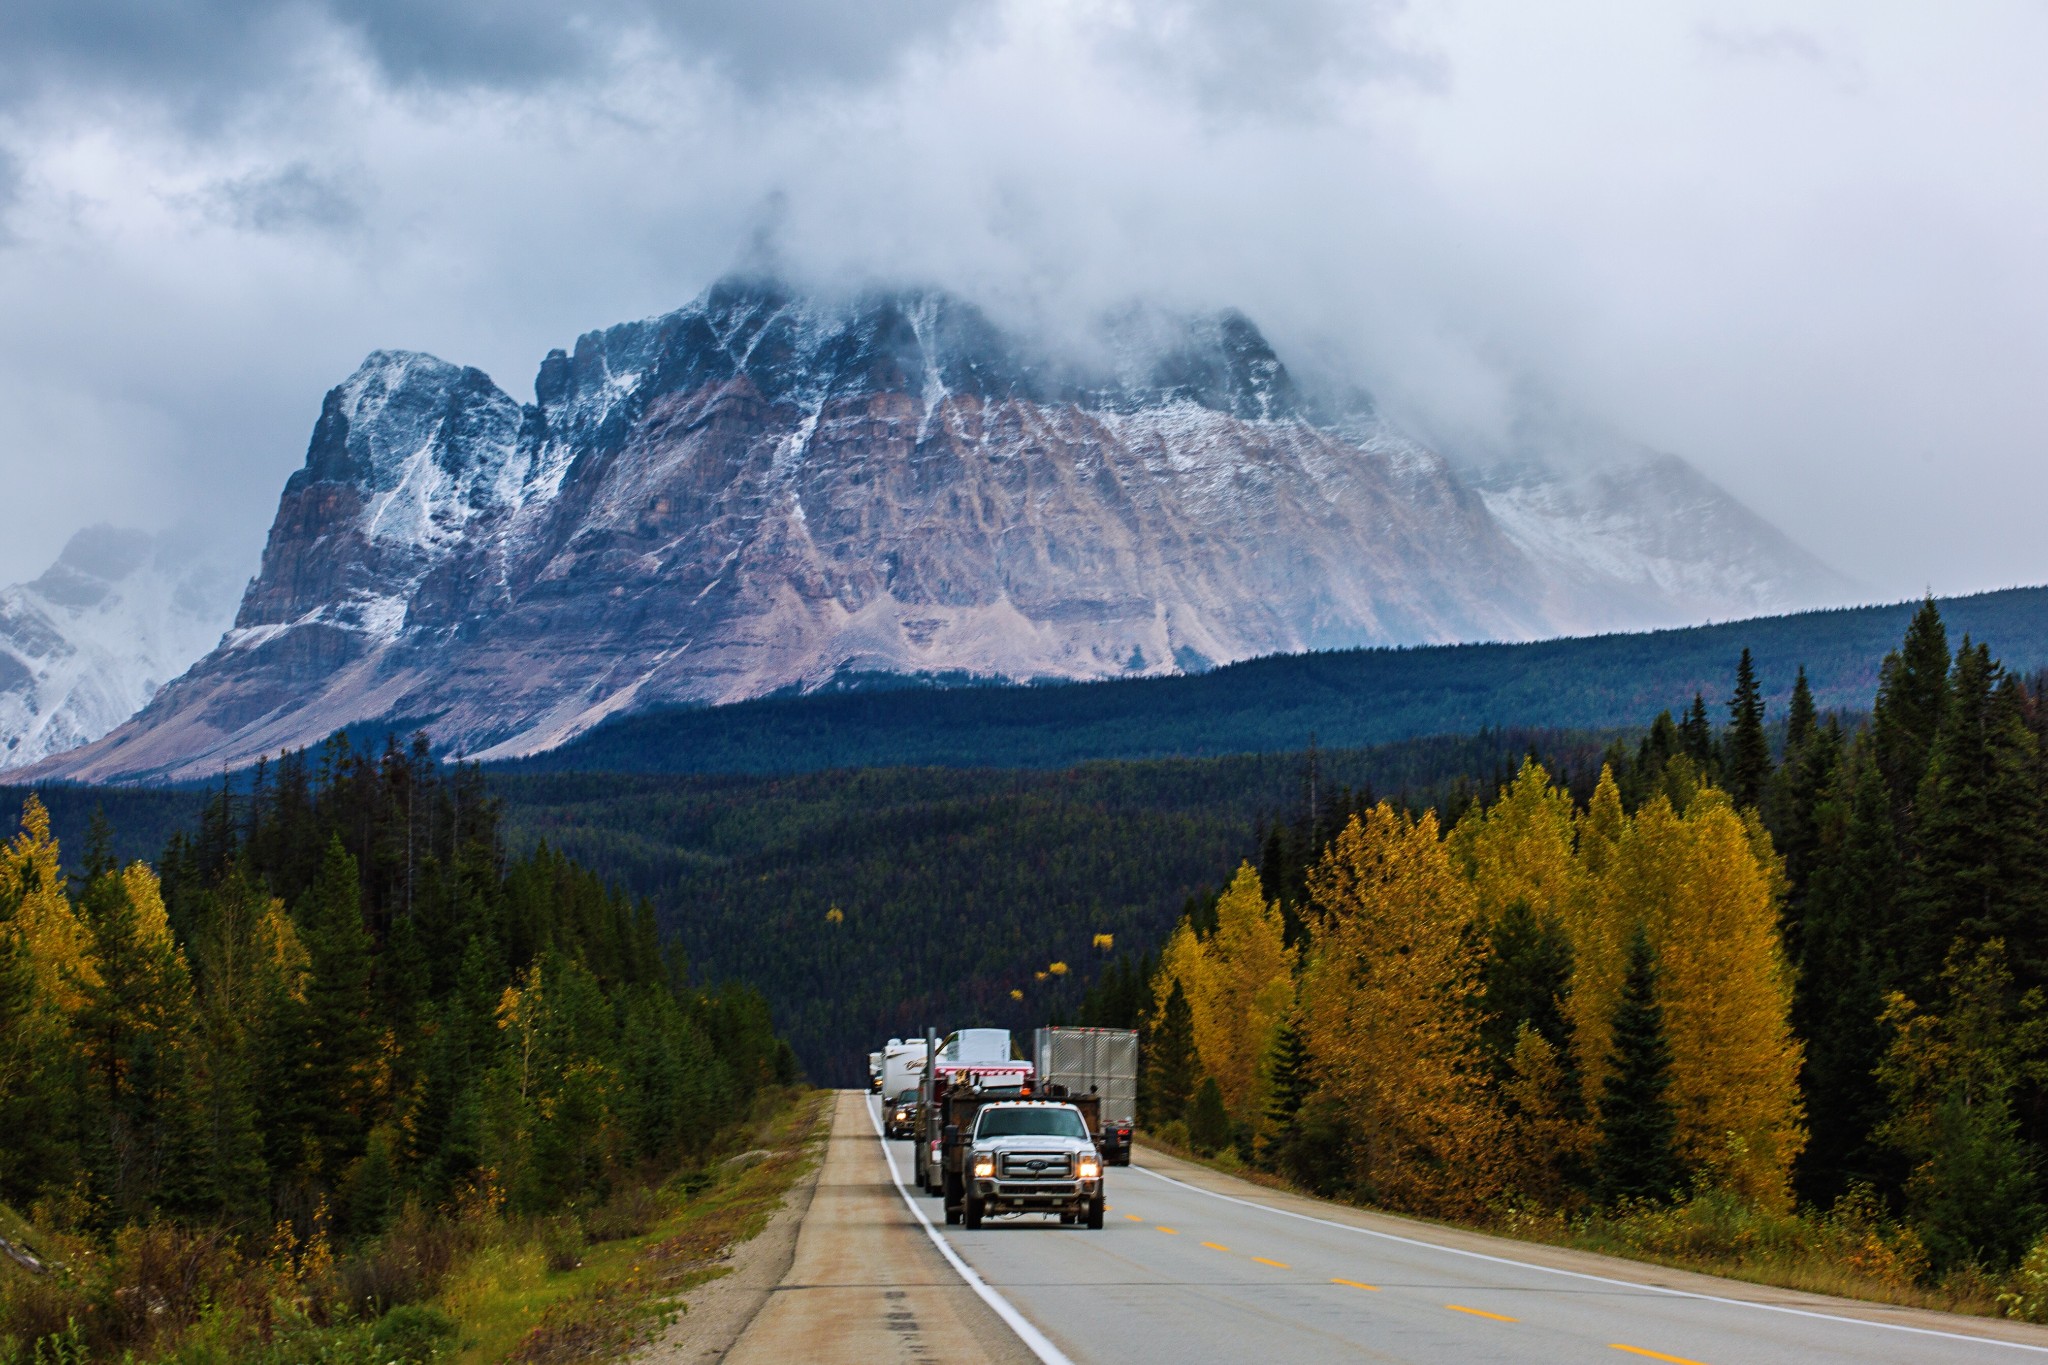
(1033, 1156)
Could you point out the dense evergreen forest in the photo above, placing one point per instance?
(1794, 991)
(335, 1004)
(1348, 698)
(871, 903)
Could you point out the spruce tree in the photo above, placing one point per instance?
(1636, 1157)
(1912, 698)
(1697, 732)
(1525, 980)
(1802, 719)
(1979, 873)
(1172, 1064)
(1748, 765)
(340, 1039)
(1208, 1121)
(1847, 962)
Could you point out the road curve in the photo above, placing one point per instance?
(1196, 1266)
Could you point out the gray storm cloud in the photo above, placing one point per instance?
(1800, 245)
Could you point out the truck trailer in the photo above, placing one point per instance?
(1095, 1061)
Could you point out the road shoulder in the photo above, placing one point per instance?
(717, 1312)
(863, 1281)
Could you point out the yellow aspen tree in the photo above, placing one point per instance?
(1727, 993)
(1521, 848)
(1598, 920)
(1388, 1017)
(44, 920)
(1542, 1138)
(1240, 1001)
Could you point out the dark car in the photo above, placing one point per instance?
(899, 1116)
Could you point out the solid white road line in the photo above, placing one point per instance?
(1034, 1340)
(1597, 1279)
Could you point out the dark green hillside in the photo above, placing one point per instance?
(141, 820)
(956, 887)
(1349, 698)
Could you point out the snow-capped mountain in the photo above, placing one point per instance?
(765, 492)
(87, 644)
(1631, 538)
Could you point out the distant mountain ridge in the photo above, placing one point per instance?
(85, 645)
(765, 492)
(1341, 700)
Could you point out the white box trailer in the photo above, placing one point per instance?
(1103, 1061)
(902, 1068)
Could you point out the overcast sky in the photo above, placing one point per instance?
(1804, 246)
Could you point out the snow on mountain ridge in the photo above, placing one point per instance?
(761, 492)
(86, 645)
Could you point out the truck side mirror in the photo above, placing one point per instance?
(952, 1133)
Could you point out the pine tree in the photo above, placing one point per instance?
(1636, 1158)
(1748, 765)
(1171, 1061)
(1974, 1194)
(333, 1073)
(1802, 720)
(1912, 698)
(1291, 1080)
(136, 1029)
(1208, 1120)
(1525, 984)
(1698, 734)
(1982, 866)
(1847, 952)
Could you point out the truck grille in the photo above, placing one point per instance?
(1035, 1166)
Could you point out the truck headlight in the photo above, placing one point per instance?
(984, 1167)
(1090, 1168)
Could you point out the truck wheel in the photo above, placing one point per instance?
(1095, 1214)
(973, 1212)
(1067, 1219)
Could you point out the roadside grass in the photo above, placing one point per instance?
(464, 1286)
(1852, 1251)
(591, 1291)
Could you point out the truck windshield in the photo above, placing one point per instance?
(1033, 1122)
(907, 1097)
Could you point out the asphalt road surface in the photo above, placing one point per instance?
(1195, 1266)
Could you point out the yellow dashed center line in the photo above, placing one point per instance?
(1277, 1265)
(1354, 1284)
(1653, 1355)
(1171, 1232)
(1134, 1218)
(1480, 1313)
(1215, 1246)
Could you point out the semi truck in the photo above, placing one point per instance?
(1095, 1061)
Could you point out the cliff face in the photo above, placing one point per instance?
(759, 493)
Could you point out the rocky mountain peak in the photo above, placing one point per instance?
(767, 490)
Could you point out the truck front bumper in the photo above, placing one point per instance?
(1050, 1196)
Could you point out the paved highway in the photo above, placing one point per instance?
(1198, 1267)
